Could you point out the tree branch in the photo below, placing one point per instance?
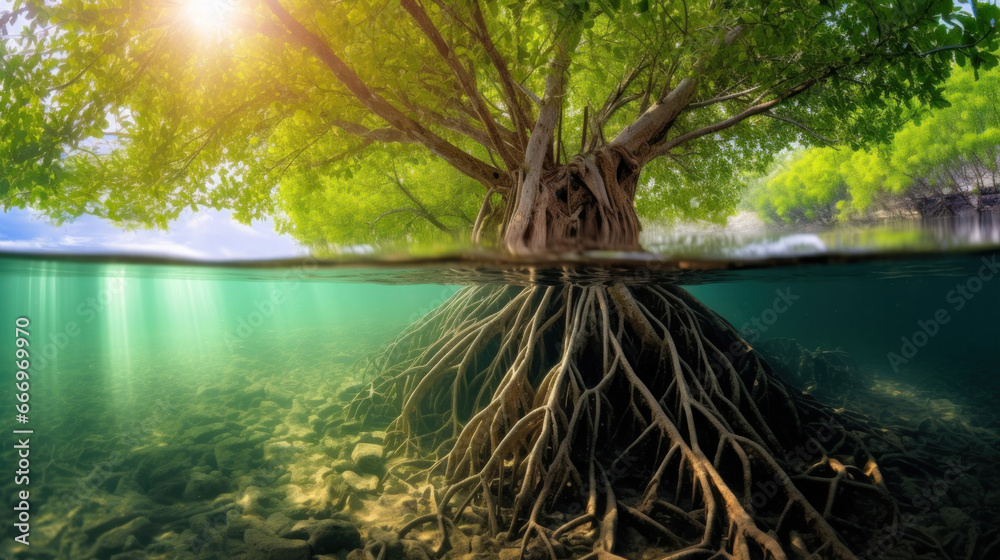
(389, 135)
(652, 126)
(958, 47)
(417, 212)
(485, 210)
(521, 119)
(722, 98)
(82, 73)
(612, 104)
(531, 95)
(637, 137)
(467, 164)
(342, 155)
(466, 81)
(287, 161)
(422, 209)
(665, 148)
(13, 196)
(800, 125)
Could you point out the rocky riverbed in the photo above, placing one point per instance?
(258, 461)
(253, 462)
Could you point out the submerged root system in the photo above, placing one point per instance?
(579, 419)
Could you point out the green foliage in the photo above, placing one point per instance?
(35, 128)
(365, 204)
(28, 147)
(940, 150)
(136, 110)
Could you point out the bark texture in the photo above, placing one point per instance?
(587, 204)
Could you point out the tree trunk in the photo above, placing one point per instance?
(587, 204)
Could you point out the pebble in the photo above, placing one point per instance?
(955, 519)
(131, 555)
(368, 458)
(230, 454)
(122, 538)
(350, 427)
(278, 523)
(265, 546)
(207, 432)
(394, 549)
(967, 491)
(205, 486)
(333, 535)
(359, 483)
(509, 554)
(278, 451)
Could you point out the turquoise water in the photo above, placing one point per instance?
(193, 398)
(126, 360)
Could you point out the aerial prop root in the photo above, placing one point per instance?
(559, 414)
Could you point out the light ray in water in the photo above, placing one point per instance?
(113, 303)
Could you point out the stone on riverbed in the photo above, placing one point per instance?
(122, 538)
(131, 555)
(368, 458)
(203, 486)
(265, 546)
(232, 454)
(358, 483)
(332, 535)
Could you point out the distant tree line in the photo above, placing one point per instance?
(943, 161)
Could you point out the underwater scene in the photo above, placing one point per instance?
(500, 280)
(165, 410)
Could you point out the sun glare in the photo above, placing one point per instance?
(208, 16)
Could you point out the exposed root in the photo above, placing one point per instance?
(564, 414)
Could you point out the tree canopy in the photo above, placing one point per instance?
(948, 149)
(332, 112)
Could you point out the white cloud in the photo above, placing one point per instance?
(208, 234)
(159, 247)
(32, 245)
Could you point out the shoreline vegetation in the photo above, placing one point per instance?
(943, 162)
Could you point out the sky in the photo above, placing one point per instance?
(205, 235)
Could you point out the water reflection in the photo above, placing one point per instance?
(671, 256)
(973, 232)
